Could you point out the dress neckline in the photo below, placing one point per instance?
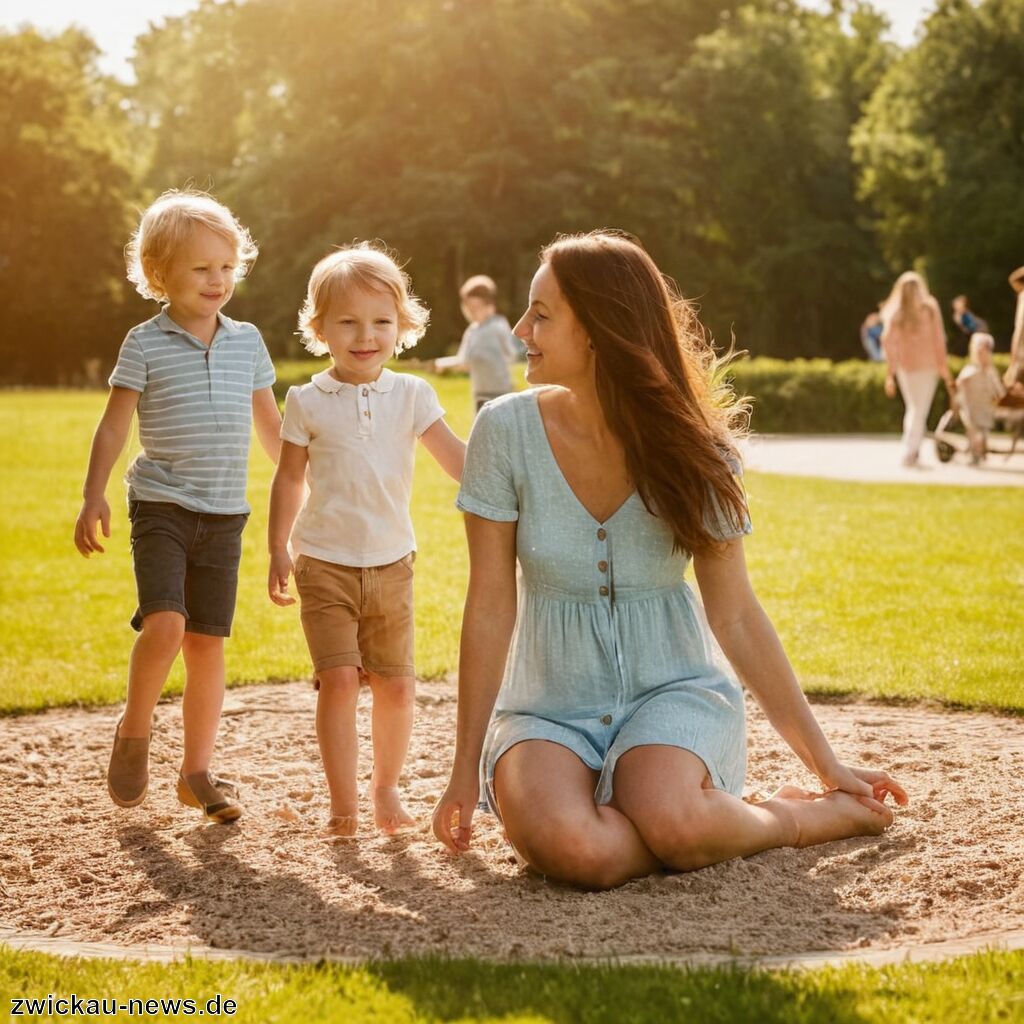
(535, 402)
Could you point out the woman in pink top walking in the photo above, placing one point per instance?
(914, 342)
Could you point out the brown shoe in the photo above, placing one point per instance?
(215, 797)
(128, 773)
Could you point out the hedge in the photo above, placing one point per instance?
(817, 396)
(790, 396)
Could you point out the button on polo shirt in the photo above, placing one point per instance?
(361, 445)
(195, 411)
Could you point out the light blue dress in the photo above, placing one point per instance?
(611, 649)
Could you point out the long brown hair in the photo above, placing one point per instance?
(657, 384)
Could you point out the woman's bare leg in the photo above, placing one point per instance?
(666, 792)
(546, 797)
(394, 707)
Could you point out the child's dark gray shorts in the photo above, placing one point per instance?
(186, 562)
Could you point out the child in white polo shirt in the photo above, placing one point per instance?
(351, 435)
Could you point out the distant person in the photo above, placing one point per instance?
(1015, 371)
(198, 382)
(871, 336)
(914, 342)
(978, 391)
(968, 322)
(487, 349)
(339, 506)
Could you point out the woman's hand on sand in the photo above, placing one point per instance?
(93, 512)
(890, 386)
(453, 815)
(865, 782)
(277, 579)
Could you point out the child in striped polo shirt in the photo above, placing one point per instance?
(198, 382)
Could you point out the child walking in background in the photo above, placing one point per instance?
(351, 434)
(978, 390)
(198, 381)
(487, 348)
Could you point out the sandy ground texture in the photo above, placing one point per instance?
(73, 865)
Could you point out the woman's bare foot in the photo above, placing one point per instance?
(388, 812)
(342, 826)
(826, 817)
(790, 792)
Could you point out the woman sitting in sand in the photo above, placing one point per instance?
(617, 746)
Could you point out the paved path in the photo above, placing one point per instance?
(875, 458)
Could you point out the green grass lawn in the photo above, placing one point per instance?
(890, 591)
(974, 990)
(886, 590)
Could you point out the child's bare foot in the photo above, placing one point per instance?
(388, 812)
(342, 826)
(826, 817)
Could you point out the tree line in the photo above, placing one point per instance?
(781, 164)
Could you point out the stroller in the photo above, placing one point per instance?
(950, 434)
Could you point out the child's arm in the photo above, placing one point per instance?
(266, 418)
(107, 444)
(508, 346)
(752, 646)
(285, 502)
(459, 361)
(448, 449)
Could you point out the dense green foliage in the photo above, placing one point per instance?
(942, 151)
(467, 134)
(983, 989)
(64, 216)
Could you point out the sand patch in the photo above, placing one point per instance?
(72, 865)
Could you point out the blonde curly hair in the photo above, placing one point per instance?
(364, 265)
(167, 223)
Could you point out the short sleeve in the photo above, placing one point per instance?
(720, 522)
(428, 408)
(130, 370)
(264, 375)
(293, 427)
(488, 489)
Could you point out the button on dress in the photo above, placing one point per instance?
(611, 648)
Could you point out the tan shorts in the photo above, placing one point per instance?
(360, 617)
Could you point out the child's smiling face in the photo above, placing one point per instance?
(201, 276)
(360, 329)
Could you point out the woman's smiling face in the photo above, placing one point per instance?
(558, 350)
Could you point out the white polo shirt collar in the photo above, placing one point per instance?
(326, 381)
